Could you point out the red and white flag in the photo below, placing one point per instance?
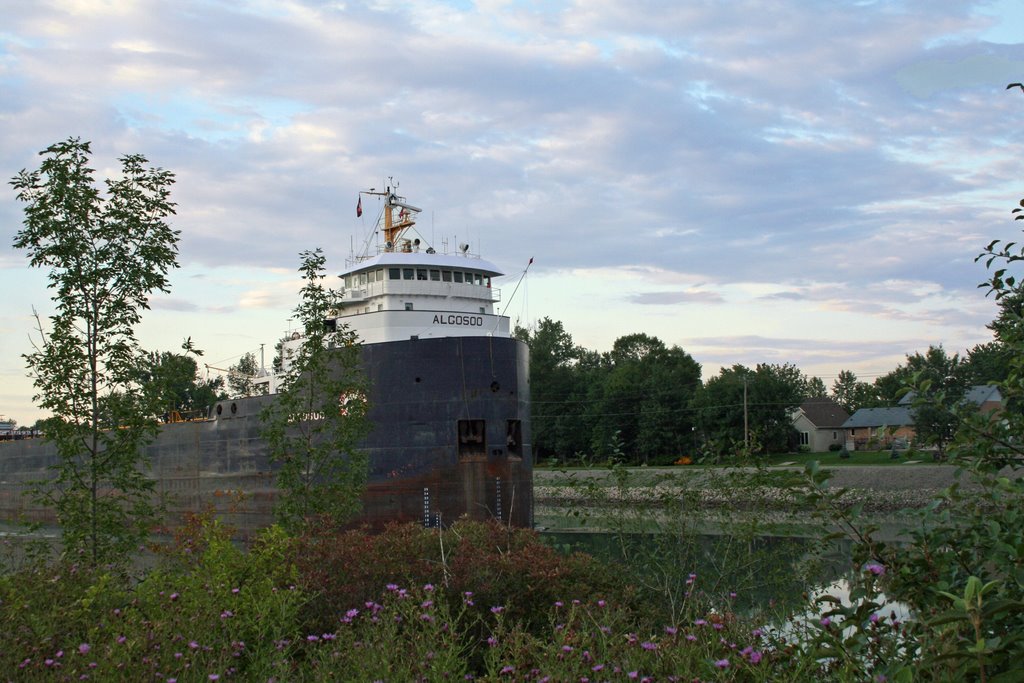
(359, 207)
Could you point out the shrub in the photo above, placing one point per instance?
(497, 565)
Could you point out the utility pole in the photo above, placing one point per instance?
(746, 431)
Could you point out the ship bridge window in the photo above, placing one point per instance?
(435, 275)
(362, 278)
(348, 282)
(407, 273)
(380, 275)
(446, 275)
(408, 305)
(395, 273)
(458, 276)
(478, 278)
(421, 273)
(371, 276)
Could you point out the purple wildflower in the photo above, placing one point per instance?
(633, 675)
(875, 568)
(722, 664)
(84, 648)
(648, 645)
(601, 603)
(174, 596)
(671, 630)
(429, 588)
(700, 622)
(507, 669)
(497, 609)
(690, 637)
(826, 622)
(392, 587)
(492, 641)
(558, 603)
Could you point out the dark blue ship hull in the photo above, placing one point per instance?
(450, 437)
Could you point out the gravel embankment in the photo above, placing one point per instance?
(878, 488)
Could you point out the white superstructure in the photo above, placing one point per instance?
(406, 290)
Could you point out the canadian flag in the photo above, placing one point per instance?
(359, 207)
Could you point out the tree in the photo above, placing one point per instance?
(106, 255)
(815, 388)
(936, 384)
(851, 393)
(241, 376)
(314, 425)
(773, 392)
(558, 390)
(642, 403)
(175, 379)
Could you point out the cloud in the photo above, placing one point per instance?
(703, 163)
(670, 298)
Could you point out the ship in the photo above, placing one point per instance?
(447, 389)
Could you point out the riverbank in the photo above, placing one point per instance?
(719, 496)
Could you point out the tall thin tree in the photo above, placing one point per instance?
(315, 422)
(106, 254)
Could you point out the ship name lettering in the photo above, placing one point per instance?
(454, 319)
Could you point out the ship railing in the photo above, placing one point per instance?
(421, 287)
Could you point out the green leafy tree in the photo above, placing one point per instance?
(853, 394)
(935, 384)
(773, 392)
(241, 376)
(557, 394)
(815, 388)
(175, 378)
(314, 425)
(643, 403)
(106, 255)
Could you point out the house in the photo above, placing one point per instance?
(879, 426)
(819, 422)
(882, 426)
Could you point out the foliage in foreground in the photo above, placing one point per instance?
(212, 611)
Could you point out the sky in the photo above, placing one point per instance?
(755, 182)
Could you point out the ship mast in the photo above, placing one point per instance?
(398, 217)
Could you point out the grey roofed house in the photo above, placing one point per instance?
(985, 396)
(819, 421)
(891, 416)
(881, 426)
